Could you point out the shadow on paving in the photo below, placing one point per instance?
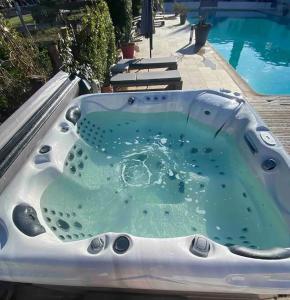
(189, 49)
(180, 28)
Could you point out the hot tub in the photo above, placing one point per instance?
(174, 191)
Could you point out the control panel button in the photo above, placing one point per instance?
(200, 246)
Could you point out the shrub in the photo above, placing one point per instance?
(20, 61)
(136, 7)
(158, 5)
(44, 14)
(178, 8)
(91, 50)
(121, 14)
(21, 52)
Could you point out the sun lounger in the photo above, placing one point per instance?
(123, 65)
(170, 78)
(157, 18)
(154, 63)
(136, 25)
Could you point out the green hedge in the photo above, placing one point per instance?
(121, 14)
(136, 7)
(91, 50)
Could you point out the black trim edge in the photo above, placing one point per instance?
(250, 144)
(269, 254)
(20, 139)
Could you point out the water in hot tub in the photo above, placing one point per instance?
(156, 175)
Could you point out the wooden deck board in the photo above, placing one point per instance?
(274, 110)
(275, 115)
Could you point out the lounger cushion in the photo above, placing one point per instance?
(146, 78)
(119, 68)
(154, 77)
(128, 78)
(148, 61)
(156, 62)
(127, 61)
(145, 63)
(123, 65)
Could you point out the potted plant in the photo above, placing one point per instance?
(201, 31)
(127, 45)
(106, 87)
(176, 8)
(181, 10)
(183, 14)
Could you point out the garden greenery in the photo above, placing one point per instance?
(121, 14)
(158, 5)
(20, 61)
(136, 7)
(180, 9)
(47, 11)
(90, 50)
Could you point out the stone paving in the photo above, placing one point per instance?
(199, 70)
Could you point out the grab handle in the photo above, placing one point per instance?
(270, 254)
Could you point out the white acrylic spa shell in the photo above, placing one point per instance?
(149, 263)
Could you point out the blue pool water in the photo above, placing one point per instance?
(257, 46)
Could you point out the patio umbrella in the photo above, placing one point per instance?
(147, 27)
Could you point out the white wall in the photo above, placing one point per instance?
(244, 5)
(223, 5)
(168, 7)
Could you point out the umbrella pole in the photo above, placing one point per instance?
(151, 46)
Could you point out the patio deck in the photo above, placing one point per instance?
(207, 70)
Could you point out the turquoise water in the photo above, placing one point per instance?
(153, 175)
(257, 47)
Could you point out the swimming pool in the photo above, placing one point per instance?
(174, 191)
(257, 46)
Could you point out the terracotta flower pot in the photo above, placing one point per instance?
(128, 50)
(107, 89)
